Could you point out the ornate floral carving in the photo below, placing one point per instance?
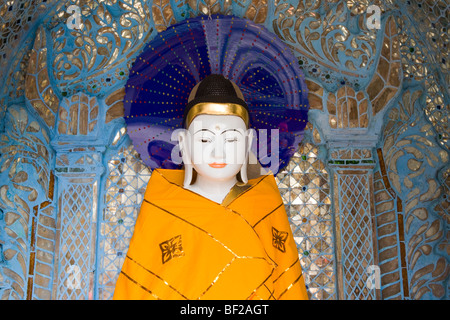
(388, 77)
(345, 48)
(162, 14)
(103, 42)
(38, 89)
(25, 177)
(407, 141)
(257, 11)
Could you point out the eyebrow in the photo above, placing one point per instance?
(204, 130)
(220, 133)
(231, 130)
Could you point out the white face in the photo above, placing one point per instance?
(217, 145)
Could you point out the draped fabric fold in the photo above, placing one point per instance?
(186, 246)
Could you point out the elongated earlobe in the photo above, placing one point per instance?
(188, 173)
(243, 173)
(186, 156)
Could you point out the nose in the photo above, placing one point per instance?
(218, 151)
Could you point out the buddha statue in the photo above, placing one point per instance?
(207, 231)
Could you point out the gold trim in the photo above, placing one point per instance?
(155, 275)
(217, 278)
(291, 267)
(235, 192)
(262, 283)
(140, 285)
(290, 286)
(274, 210)
(195, 226)
(217, 109)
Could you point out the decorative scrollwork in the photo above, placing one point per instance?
(407, 141)
(104, 41)
(24, 166)
(330, 36)
(39, 91)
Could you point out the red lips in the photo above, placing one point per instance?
(217, 165)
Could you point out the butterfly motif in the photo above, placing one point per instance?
(171, 248)
(278, 239)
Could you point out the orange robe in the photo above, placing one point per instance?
(186, 246)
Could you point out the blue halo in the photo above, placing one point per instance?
(248, 54)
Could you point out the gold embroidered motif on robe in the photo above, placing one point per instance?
(186, 246)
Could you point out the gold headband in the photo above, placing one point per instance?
(229, 109)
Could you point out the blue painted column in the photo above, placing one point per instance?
(351, 162)
(78, 172)
(79, 166)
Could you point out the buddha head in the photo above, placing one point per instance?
(216, 141)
